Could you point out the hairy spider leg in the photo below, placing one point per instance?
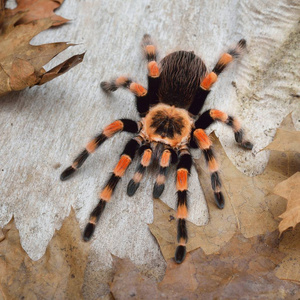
(205, 144)
(141, 94)
(116, 126)
(144, 97)
(212, 115)
(106, 193)
(183, 171)
(149, 50)
(134, 183)
(212, 77)
(164, 164)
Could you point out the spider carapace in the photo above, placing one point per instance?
(170, 125)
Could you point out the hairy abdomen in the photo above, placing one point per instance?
(181, 74)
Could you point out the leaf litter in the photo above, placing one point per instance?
(241, 253)
(59, 274)
(21, 64)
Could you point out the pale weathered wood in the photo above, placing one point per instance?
(43, 128)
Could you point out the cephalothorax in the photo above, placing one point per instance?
(170, 125)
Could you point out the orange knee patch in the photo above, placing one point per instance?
(225, 59)
(160, 179)
(182, 212)
(137, 177)
(182, 180)
(112, 128)
(91, 146)
(122, 165)
(236, 125)
(137, 89)
(106, 193)
(150, 50)
(212, 165)
(218, 115)
(209, 80)
(202, 139)
(165, 158)
(121, 81)
(146, 158)
(153, 69)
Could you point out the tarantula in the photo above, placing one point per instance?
(170, 124)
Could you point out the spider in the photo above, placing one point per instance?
(170, 125)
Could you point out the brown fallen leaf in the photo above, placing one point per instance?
(285, 141)
(38, 9)
(289, 268)
(290, 190)
(164, 230)
(57, 275)
(243, 269)
(21, 64)
(250, 207)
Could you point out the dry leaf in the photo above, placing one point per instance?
(57, 275)
(164, 229)
(250, 208)
(38, 9)
(243, 269)
(129, 283)
(290, 190)
(289, 268)
(285, 141)
(21, 64)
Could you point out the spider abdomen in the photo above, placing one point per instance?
(181, 74)
(168, 125)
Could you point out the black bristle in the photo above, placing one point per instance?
(181, 198)
(185, 162)
(204, 120)
(158, 190)
(215, 181)
(219, 198)
(182, 230)
(180, 254)
(108, 87)
(242, 43)
(88, 231)
(198, 101)
(129, 125)
(239, 136)
(132, 187)
(80, 159)
(67, 173)
(247, 145)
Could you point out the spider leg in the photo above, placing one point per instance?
(168, 156)
(205, 144)
(118, 125)
(183, 170)
(149, 50)
(106, 193)
(142, 96)
(134, 183)
(212, 115)
(212, 77)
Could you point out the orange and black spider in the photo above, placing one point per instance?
(170, 125)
